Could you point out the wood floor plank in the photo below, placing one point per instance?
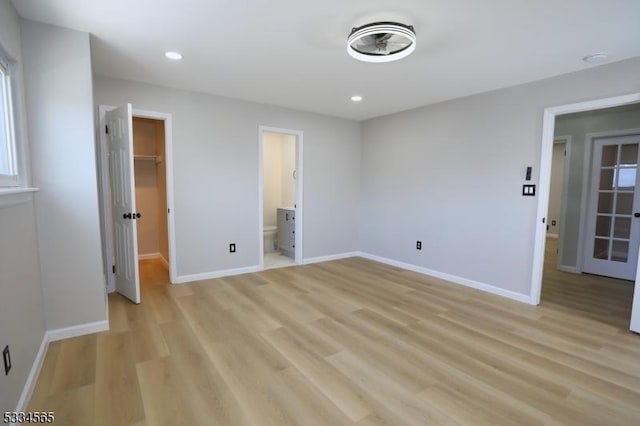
(210, 399)
(68, 372)
(165, 399)
(329, 381)
(117, 392)
(304, 403)
(74, 406)
(249, 379)
(392, 399)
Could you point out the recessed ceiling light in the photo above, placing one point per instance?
(381, 42)
(356, 98)
(596, 57)
(175, 56)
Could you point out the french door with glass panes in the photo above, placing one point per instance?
(613, 214)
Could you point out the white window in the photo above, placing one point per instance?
(8, 168)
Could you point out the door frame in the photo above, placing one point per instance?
(299, 134)
(544, 182)
(103, 183)
(564, 193)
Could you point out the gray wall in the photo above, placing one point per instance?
(451, 175)
(57, 64)
(22, 323)
(578, 126)
(215, 166)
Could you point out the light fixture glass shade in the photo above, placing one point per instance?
(381, 42)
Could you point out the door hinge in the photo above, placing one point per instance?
(168, 210)
(565, 152)
(106, 129)
(113, 269)
(544, 219)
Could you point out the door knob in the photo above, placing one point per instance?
(636, 214)
(126, 216)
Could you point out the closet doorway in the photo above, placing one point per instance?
(150, 156)
(151, 189)
(280, 197)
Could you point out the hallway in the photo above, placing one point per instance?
(607, 300)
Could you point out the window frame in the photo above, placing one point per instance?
(11, 180)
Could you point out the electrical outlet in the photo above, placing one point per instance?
(6, 356)
(232, 248)
(418, 245)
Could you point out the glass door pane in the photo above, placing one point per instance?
(617, 181)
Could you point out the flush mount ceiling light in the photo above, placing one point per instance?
(381, 42)
(356, 98)
(596, 57)
(174, 56)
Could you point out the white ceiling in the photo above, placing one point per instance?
(293, 52)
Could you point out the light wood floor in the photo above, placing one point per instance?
(603, 299)
(349, 342)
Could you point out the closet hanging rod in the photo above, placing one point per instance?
(155, 158)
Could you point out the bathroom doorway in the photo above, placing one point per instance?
(280, 199)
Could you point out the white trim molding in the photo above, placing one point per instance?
(329, 258)
(181, 279)
(32, 378)
(524, 298)
(154, 256)
(13, 196)
(570, 269)
(77, 330)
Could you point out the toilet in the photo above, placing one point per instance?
(270, 238)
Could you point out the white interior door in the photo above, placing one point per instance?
(635, 307)
(121, 176)
(613, 215)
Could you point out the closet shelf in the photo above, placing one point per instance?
(155, 158)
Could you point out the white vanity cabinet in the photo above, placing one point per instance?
(287, 231)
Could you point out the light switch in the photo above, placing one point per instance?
(528, 190)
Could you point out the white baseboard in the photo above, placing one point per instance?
(52, 336)
(32, 378)
(77, 330)
(552, 236)
(571, 269)
(524, 298)
(257, 268)
(329, 258)
(180, 279)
